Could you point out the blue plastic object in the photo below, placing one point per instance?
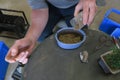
(109, 26)
(116, 33)
(3, 63)
(72, 45)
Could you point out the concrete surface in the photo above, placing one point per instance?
(22, 5)
(61, 64)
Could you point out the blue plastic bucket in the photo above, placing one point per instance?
(116, 33)
(107, 25)
(3, 63)
(72, 45)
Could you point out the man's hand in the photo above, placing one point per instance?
(20, 51)
(89, 10)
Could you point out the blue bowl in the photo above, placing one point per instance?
(70, 45)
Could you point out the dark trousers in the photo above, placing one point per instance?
(56, 14)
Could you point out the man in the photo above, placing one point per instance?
(45, 14)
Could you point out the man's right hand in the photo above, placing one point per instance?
(20, 51)
(22, 48)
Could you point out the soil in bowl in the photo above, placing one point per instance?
(70, 37)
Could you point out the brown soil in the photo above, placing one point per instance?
(70, 37)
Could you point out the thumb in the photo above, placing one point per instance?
(14, 50)
(12, 53)
(78, 8)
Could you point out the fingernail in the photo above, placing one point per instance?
(25, 61)
(84, 23)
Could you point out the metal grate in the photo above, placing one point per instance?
(12, 23)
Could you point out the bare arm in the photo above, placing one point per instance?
(39, 19)
(22, 48)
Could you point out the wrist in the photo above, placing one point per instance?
(30, 38)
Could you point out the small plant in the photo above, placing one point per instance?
(113, 59)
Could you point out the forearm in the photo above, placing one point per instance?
(39, 20)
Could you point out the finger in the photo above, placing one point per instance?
(91, 15)
(9, 58)
(13, 52)
(15, 48)
(24, 57)
(77, 9)
(85, 14)
(25, 61)
(20, 56)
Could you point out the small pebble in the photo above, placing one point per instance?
(84, 56)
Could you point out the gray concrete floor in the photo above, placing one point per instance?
(22, 5)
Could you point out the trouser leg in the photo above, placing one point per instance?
(54, 17)
(68, 14)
